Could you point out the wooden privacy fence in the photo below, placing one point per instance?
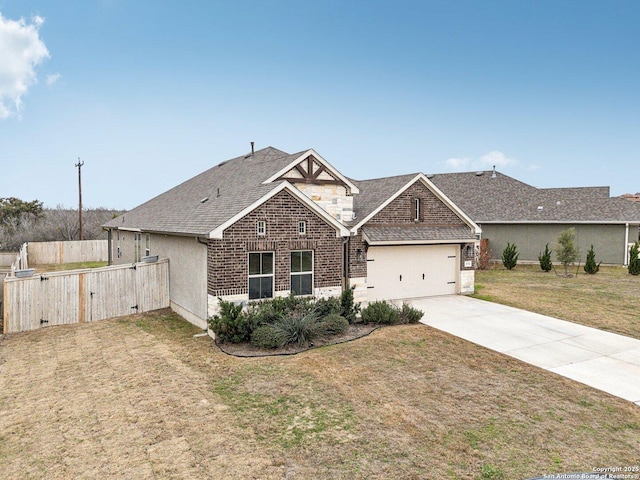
(45, 253)
(87, 295)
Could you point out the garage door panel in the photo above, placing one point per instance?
(411, 271)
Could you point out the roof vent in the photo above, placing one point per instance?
(479, 174)
(493, 174)
(540, 208)
(431, 175)
(205, 199)
(558, 202)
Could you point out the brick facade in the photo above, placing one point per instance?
(433, 210)
(401, 212)
(227, 259)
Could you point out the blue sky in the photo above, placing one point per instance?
(151, 93)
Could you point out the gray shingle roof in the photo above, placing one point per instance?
(416, 233)
(488, 199)
(375, 192)
(181, 210)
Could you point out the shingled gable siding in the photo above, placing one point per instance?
(399, 211)
(227, 259)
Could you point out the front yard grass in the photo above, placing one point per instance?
(608, 300)
(141, 397)
(61, 267)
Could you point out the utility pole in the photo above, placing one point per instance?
(79, 165)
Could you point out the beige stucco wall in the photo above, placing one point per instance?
(187, 275)
(187, 270)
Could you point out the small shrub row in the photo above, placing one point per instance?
(290, 320)
(385, 313)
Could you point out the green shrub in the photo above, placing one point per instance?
(510, 256)
(295, 329)
(634, 261)
(231, 324)
(590, 266)
(348, 308)
(264, 337)
(327, 306)
(332, 324)
(545, 259)
(381, 312)
(408, 314)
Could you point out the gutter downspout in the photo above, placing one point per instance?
(345, 261)
(626, 244)
(109, 252)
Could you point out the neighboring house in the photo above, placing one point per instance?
(269, 224)
(512, 211)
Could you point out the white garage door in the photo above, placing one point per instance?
(411, 271)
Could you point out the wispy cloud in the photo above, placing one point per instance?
(21, 50)
(53, 78)
(486, 161)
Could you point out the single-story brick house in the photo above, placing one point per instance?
(270, 223)
(512, 211)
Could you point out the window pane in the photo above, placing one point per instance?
(267, 263)
(307, 261)
(296, 262)
(254, 264)
(266, 287)
(305, 284)
(254, 288)
(295, 284)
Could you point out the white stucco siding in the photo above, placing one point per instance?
(412, 271)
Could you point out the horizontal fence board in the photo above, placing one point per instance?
(86, 295)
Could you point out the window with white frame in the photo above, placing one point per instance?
(137, 246)
(260, 275)
(302, 272)
(302, 227)
(416, 209)
(261, 227)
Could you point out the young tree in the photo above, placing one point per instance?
(566, 251)
(634, 261)
(545, 259)
(590, 266)
(510, 256)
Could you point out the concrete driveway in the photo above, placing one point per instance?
(600, 359)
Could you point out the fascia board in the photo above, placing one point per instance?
(341, 230)
(567, 222)
(326, 164)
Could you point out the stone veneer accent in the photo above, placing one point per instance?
(227, 259)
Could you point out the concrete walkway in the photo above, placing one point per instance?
(600, 359)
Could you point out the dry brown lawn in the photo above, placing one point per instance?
(608, 300)
(141, 397)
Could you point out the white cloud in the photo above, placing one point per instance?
(21, 50)
(457, 163)
(485, 162)
(51, 79)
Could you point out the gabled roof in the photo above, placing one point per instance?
(490, 197)
(299, 157)
(378, 193)
(209, 200)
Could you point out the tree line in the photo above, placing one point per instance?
(28, 221)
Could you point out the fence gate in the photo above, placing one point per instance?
(84, 295)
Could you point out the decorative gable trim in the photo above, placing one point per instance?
(310, 167)
(341, 230)
(435, 190)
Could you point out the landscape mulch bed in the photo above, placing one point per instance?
(245, 349)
